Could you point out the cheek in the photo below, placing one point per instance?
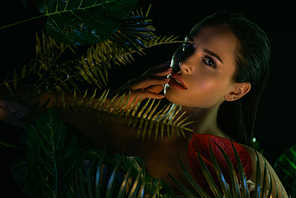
(204, 93)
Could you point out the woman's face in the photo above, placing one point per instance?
(207, 73)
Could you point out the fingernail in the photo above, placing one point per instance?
(166, 79)
(165, 64)
(169, 69)
(160, 95)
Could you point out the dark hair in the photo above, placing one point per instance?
(237, 118)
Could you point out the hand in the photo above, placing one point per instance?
(149, 85)
(152, 87)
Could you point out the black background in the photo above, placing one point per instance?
(274, 128)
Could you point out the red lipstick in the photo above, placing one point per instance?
(177, 82)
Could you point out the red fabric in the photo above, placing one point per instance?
(201, 141)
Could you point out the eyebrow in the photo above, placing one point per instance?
(213, 54)
(189, 37)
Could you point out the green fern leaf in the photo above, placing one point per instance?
(11, 146)
(198, 189)
(7, 86)
(71, 81)
(257, 191)
(98, 174)
(220, 176)
(81, 100)
(63, 99)
(145, 119)
(208, 176)
(98, 105)
(24, 69)
(66, 87)
(242, 175)
(125, 181)
(285, 167)
(137, 183)
(38, 45)
(234, 180)
(270, 183)
(264, 185)
(184, 189)
(88, 104)
(54, 158)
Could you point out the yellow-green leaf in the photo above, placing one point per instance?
(7, 86)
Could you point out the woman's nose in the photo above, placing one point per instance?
(180, 56)
(186, 67)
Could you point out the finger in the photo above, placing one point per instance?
(147, 94)
(159, 67)
(155, 89)
(155, 96)
(164, 73)
(149, 82)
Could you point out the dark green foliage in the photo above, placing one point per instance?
(83, 22)
(55, 166)
(49, 158)
(285, 166)
(55, 162)
(102, 175)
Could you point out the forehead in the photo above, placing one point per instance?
(214, 35)
(219, 40)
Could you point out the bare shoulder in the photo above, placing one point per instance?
(277, 185)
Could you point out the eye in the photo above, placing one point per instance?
(209, 61)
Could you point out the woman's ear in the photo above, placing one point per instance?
(240, 89)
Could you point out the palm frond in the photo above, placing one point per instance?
(221, 178)
(239, 185)
(48, 51)
(91, 68)
(134, 30)
(285, 167)
(81, 22)
(215, 190)
(145, 118)
(242, 175)
(100, 175)
(198, 189)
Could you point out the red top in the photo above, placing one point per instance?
(201, 141)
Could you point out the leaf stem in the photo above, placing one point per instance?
(49, 14)
(6, 26)
(55, 169)
(12, 146)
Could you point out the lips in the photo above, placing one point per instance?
(177, 82)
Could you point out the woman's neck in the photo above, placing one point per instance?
(205, 120)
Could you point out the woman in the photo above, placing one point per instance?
(217, 77)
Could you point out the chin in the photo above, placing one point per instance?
(172, 97)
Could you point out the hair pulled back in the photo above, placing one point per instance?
(252, 61)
